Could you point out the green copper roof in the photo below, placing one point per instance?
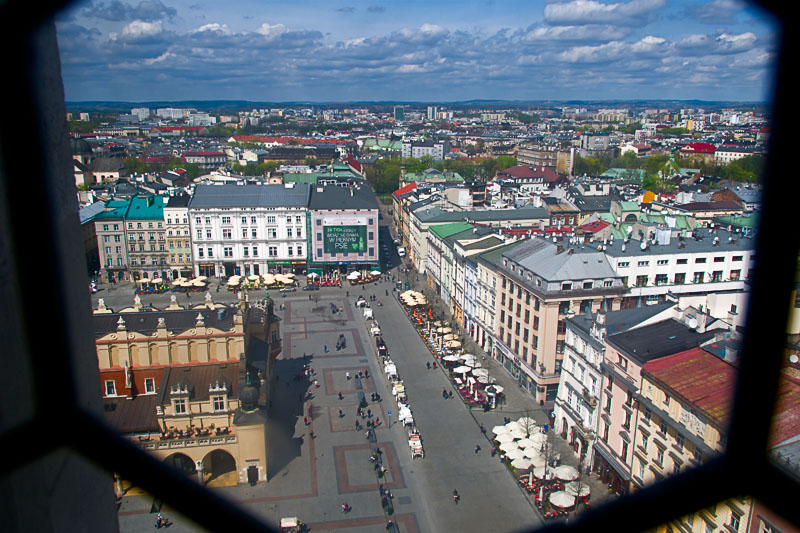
(442, 231)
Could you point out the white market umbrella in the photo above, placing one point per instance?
(450, 358)
(449, 337)
(313, 275)
(577, 489)
(354, 275)
(562, 499)
(539, 472)
(461, 369)
(499, 430)
(515, 453)
(201, 278)
(254, 277)
(518, 434)
(526, 420)
(158, 280)
(480, 372)
(289, 275)
(526, 443)
(375, 273)
(437, 323)
(494, 389)
(565, 472)
(504, 437)
(233, 283)
(537, 460)
(508, 446)
(444, 330)
(538, 438)
(521, 464)
(512, 426)
(453, 344)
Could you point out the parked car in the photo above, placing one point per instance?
(290, 288)
(311, 287)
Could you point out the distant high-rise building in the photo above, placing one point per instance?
(398, 112)
(431, 112)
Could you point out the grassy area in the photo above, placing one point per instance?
(386, 199)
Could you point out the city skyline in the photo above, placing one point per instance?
(326, 52)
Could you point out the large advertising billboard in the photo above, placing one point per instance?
(344, 239)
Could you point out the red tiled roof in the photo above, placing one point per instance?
(594, 227)
(703, 148)
(354, 164)
(286, 140)
(404, 189)
(786, 420)
(699, 378)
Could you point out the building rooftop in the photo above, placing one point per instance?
(146, 322)
(699, 379)
(359, 196)
(237, 196)
(657, 340)
(544, 259)
(443, 231)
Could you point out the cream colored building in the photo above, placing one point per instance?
(179, 239)
(683, 410)
(178, 383)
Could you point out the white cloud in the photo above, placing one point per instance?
(579, 12)
(271, 31)
(140, 28)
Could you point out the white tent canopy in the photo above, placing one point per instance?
(562, 499)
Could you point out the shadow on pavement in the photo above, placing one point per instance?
(285, 410)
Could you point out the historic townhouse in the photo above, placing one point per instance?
(700, 263)
(625, 355)
(179, 237)
(249, 229)
(542, 283)
(577, 406)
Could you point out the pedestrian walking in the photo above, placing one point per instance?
(483, 429)
(493, 451)
(341, 414)
(369, 413)
(477, 448)
(434, 365)
(358, 426)
(366, 374)
(429, 365)
(444, 394)
(305, 421)
(340, 396)
(325, 348)
(450, 394)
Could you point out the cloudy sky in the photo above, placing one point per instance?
(410, 50)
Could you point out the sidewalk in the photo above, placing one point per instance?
(518, 403)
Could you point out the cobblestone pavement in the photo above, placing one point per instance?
(311, 477)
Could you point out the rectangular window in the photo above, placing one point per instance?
(180, 406)
(255, 251)
(111, 388)
(149, 385)
(700, 260)
(682, 261)
(680, 279)
(219, 403)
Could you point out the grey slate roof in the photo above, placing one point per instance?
(657, 340)
(335, 197)
(618, 321)
(90, 211)
(237, 196)
(690, 245)
(146, 322)
(540, 257)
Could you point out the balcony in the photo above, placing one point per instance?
(589, 398)
(187, 439)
